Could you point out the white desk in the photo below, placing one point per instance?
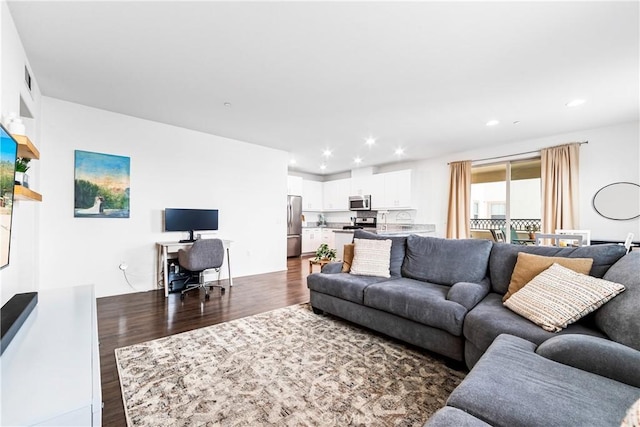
(167, 248)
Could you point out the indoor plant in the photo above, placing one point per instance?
(22, 166)
(531, 229)
(325, 253)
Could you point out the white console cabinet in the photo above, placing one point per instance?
(50, 372)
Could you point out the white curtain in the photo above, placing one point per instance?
(559, 180)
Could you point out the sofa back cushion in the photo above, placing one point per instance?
(620, 317)
(504, 256)
(398, 247)
(446, 261)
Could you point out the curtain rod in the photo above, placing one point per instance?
(516, 154)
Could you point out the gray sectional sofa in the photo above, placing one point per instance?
(446, 296)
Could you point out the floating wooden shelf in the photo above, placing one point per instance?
(26, 147)
(23, 193)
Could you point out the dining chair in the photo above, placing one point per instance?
(586, 235)
(542, 239)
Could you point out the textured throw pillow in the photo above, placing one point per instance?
(529, 266)
(633, 416)
(559, 296)
(347, 257)
(371, 257)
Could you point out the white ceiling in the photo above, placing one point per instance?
(307, 76)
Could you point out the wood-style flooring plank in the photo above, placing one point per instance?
(134, 318)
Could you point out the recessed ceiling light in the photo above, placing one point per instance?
(399, 151)
(326, 152)
(227, 104)
(370, 141)
(575, 103)
(492, 122)
(292, 161)
(323, 166)
(357, 160)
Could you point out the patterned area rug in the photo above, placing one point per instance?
(287, 367)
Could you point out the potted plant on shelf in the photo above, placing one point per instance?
(325, 253)
(531, 229)
(22, 166)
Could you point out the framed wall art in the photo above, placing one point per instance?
(101, 185)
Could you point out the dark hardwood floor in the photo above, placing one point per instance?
(133, 318)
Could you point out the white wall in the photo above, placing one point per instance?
(22, 273)
(612, 154)
(170, 167)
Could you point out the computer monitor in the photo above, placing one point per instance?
(190, 220)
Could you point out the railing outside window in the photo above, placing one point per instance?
(518, 224)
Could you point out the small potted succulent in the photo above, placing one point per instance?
(531, 229)
(325, 253)
(22, 166)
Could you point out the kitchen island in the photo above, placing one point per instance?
(343, 237)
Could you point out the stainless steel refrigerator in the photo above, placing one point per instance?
(294, 226)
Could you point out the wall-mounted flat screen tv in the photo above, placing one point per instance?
(8, 156)
(190, 220)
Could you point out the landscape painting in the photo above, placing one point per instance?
(101, 185)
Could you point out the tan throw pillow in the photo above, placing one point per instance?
(371, 257)
(529, 266)
(347, 257)
(559, 296)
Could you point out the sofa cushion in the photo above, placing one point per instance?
(446, 261)
(491, 318)
(371, 257)
(421, 302)
(598, 355)
(450, 416)
(620, 317)
(513, 386)
(559, 296)
(504, 256)
(529, 266)
(342, 285)
(398, 246)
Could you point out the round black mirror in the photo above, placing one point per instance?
(619, 201)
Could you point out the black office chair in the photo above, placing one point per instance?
(203, 255)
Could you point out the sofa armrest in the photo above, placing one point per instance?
(332, 268)
(597, 355)
(468, 294)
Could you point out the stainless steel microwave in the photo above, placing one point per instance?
(360, 203)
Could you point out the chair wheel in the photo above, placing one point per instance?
(210, 288)
(206, 296)
(222, 290)
(181, 297)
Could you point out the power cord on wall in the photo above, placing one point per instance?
(123, 266)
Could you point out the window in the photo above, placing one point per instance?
(506, 196)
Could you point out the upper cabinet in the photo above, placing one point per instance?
(28, 150)
(397, 190)
(294, 185)
(311, 195)
(336, 194)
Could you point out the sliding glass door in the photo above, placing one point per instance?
(506, 197)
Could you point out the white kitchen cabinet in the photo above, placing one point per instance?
(294, 185)
(328, 237)
(397, 190)
(336, 195)
(311, 195)
(311, 239)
